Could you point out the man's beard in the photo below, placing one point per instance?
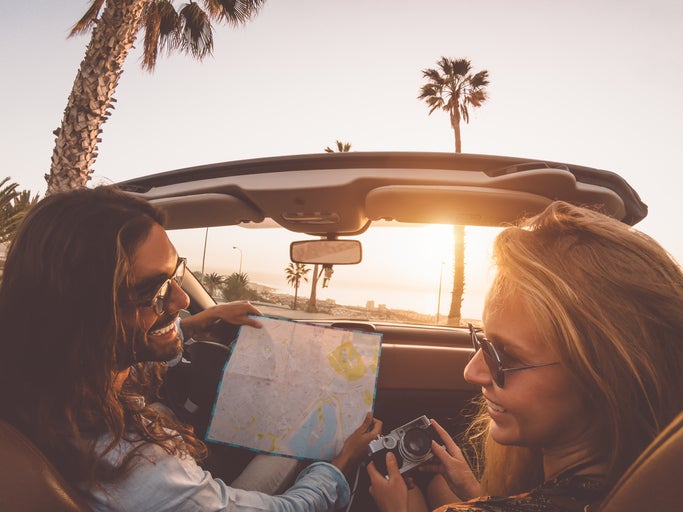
(149, 351)
(147, 346)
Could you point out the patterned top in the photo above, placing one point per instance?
(572, 493)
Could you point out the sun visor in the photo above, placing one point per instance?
(478, 206)
(206, 210)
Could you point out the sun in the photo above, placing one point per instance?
(423, 262)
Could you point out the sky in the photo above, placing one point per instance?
(594, 83)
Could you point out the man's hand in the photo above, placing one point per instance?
(355, 447)
(236, 313)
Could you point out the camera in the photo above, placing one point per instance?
(411, 444)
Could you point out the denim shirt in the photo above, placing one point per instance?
(159, 482)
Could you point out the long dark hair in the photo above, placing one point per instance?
(61, 336)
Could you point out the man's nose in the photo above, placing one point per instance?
(179, 299)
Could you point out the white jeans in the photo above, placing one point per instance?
(270, 474)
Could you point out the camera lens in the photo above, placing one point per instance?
(417, 443)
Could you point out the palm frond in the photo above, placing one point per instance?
(432, 93)
(7, 193)
(88, 19)
(233, 12)
(169, 25)
(237, 279)
(152, 25)
(13, 206)
(433, 75)
(476, 98)
(24, 200)
(196, 32)
(343, 147)
(161, 25)
(460, 67)
(464, 113)
(480, 80)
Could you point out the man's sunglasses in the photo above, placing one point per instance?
(159, 300)
(492, 358)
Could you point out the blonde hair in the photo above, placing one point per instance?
(609, 299)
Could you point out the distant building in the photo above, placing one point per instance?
(370, 305)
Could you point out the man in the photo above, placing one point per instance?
(89, 306)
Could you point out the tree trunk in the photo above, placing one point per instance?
(455, 123)
(312, 306)
(92, 94)
(454, 314)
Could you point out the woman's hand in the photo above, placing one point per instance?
(391, 492)
(453, 466)
(236, 313)
(355, 447)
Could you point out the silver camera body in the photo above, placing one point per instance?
(411, 444)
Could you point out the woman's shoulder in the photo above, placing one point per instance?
(568, 494)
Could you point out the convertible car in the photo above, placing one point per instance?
(369, 241)
(377, 242)
(391, 243)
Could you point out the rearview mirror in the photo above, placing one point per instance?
(326, 252)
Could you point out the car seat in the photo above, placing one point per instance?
(655, 480)
(28, 481)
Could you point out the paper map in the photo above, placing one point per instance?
(295, 389)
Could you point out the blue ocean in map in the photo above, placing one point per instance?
(316, 436)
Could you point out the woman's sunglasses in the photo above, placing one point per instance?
(492, 358)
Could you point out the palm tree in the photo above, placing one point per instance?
(312, 304)
(296, 272)
(342, 147)
(13, 206)
(212, 282)
(24, 201)
(188, 30)
(236, 287)
(453, 88)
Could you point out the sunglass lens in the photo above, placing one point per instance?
(492, 363)
(161, 298)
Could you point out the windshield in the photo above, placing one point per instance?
(405, 276)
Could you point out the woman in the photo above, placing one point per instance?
(579, 366)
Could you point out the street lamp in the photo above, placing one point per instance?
(438, 301)
(240, 250)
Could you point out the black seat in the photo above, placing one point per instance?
(208, 359)
(28, 481)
